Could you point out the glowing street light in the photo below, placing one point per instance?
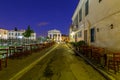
(73, 33)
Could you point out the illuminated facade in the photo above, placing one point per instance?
(65, 38)
(12, 34)
(3, 34)
(55, 35)
(97, 22)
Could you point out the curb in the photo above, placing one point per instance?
(106, 75)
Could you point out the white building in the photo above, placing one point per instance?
(3, 34)
(55, 35)
(12, 34)
(98, 23)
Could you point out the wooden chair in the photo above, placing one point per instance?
(88, 52)
(103, 57)
(96, 55)
(19, 51)
(27, 49)
(82, 49)
(114, 62)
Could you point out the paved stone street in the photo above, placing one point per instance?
(15, 66)
(62, 64)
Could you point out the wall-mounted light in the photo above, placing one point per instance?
(72, 33)
(97, 29)
(111, 26)
(100, 1)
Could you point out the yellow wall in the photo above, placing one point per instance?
(101, 16)
(3, 34)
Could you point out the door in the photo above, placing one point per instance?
(85, 36)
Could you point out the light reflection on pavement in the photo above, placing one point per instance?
(62, 64)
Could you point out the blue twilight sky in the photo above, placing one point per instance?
(41, 15)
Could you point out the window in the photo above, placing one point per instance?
(80, 15)
(80, 34)
(15, 34)
(18, 34)
(92, 35)
(9, 34)
(76, 21)
(86, 8)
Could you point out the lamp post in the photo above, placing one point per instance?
(72, 35)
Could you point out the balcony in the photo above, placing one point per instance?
(75, 28)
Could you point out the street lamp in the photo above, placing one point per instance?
(72, 35)
(0, 36)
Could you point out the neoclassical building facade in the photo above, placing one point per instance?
(3, 33)
(55, 35)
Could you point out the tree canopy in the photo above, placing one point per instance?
(28, 32)
(15, 29)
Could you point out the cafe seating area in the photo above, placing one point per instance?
(114, 62)
(106, 59)
(20, 51)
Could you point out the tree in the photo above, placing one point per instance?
(28, 32)
(15, 29)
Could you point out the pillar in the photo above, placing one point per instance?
(57, 37)
(60, 37)
(51, 36)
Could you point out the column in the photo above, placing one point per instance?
(57, 37)
(51, 36)
(60, 37)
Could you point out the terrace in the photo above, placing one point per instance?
(18, 49)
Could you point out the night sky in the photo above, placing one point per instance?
(41, 15)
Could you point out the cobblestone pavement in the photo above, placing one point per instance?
(62, 64)
(17, 65)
